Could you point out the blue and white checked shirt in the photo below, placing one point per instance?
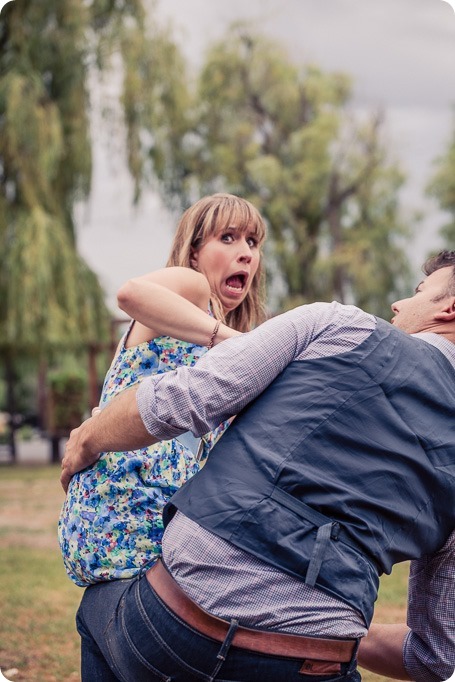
(228, 581)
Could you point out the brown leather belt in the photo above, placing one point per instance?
(261, 641)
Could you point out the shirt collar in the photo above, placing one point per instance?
(441, 343)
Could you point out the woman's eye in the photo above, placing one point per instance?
(227, 238)
(252, 242)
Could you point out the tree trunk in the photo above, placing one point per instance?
(55, 449)
(94, 396)
(10, 378)
(42, 394)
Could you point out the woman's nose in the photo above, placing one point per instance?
(244, 252)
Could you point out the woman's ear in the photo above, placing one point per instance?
(194, 258)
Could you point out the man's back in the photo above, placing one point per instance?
(319, 473)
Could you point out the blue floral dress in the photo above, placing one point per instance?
(111, 523)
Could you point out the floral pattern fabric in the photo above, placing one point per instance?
(111, 523)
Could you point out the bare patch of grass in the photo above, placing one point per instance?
(37, 631)
(30, 500)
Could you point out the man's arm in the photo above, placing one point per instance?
(424, 650)
(381, 651)
(238, 370)
(429, 650)
(224, 381)
(117, 427)
(234, 373)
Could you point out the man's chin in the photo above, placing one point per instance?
(397, 324)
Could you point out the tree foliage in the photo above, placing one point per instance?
(255, 124)
(45, 166)
(282, 136)
(442, 188)
(49, 51)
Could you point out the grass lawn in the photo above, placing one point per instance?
(38, 639)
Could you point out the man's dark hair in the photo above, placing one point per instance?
(443, 259)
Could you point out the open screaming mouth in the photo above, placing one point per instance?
(236, 282)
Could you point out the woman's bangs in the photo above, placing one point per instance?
(239, 216)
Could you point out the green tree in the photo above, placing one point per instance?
(283, 137)
(50, 300)
(442, 188)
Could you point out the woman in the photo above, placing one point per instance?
(111, 522)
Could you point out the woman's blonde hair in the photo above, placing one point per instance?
(211, 215)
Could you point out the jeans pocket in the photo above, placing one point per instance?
(125, 659)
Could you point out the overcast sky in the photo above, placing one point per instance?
(401, 57)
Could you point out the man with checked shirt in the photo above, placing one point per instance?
(340, 463)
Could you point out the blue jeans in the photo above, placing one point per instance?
(129, 635)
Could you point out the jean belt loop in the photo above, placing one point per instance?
(317, 556)
(141, 573)
(143, 570)
(353, 661)
(221, 656)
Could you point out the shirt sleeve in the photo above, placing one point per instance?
(237, 370)
(429, 648)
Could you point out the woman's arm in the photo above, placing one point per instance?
(173, 302)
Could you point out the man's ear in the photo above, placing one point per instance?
(447, 314)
